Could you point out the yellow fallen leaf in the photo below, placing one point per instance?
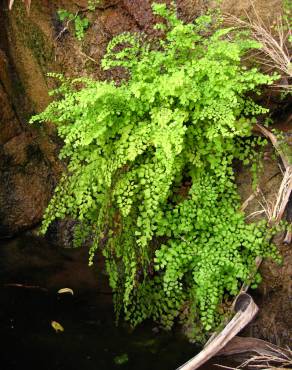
(56, 326)
(66, 290)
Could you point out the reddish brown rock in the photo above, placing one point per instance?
(117, 21)
(25, 181)
(9, 126)
(141, 11)
(26, 184)
(100, 4)
(103, 4)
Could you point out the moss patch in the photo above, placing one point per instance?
(33, 37)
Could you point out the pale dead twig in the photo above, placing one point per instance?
(66, 28)
(249, 199)
(254, 214)
(255, 195)
(267, 207)
(27, 4)
(274, 141)
(286, 185)
(273, 211)
(271, 358)
(283, 195)
(281, 169)
(241, 345)
(88, 57)
(63, 30)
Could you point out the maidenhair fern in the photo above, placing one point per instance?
(150, 175)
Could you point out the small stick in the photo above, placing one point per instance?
(288, 237)
(283, 195)
(88, 57)
(274, 141)
(17, 285)
(250, 198)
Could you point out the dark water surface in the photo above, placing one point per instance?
(90, 340)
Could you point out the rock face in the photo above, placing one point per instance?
(25, 181)
(25, 185)
(28, 164)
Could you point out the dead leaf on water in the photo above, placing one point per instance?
(57, 326)
(66, 290)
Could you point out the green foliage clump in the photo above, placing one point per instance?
(150, 175)
(92, 4)
(80, 23)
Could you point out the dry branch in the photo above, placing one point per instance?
(286, 185)
(263, 130)
(274, 52)
(266, 355)
(248, 344)
(246, 310)
(283, 195)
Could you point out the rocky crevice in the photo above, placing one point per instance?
(27, 178)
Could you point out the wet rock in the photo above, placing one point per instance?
(141, 11)
(28, 156)
(188, 10)
(33, 261)
(25, 181)
(25, 187)
(116, 21)
(9, 126)
(61, 232)
(103, 4)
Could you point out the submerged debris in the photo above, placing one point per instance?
(121, 359)
(57, 326)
